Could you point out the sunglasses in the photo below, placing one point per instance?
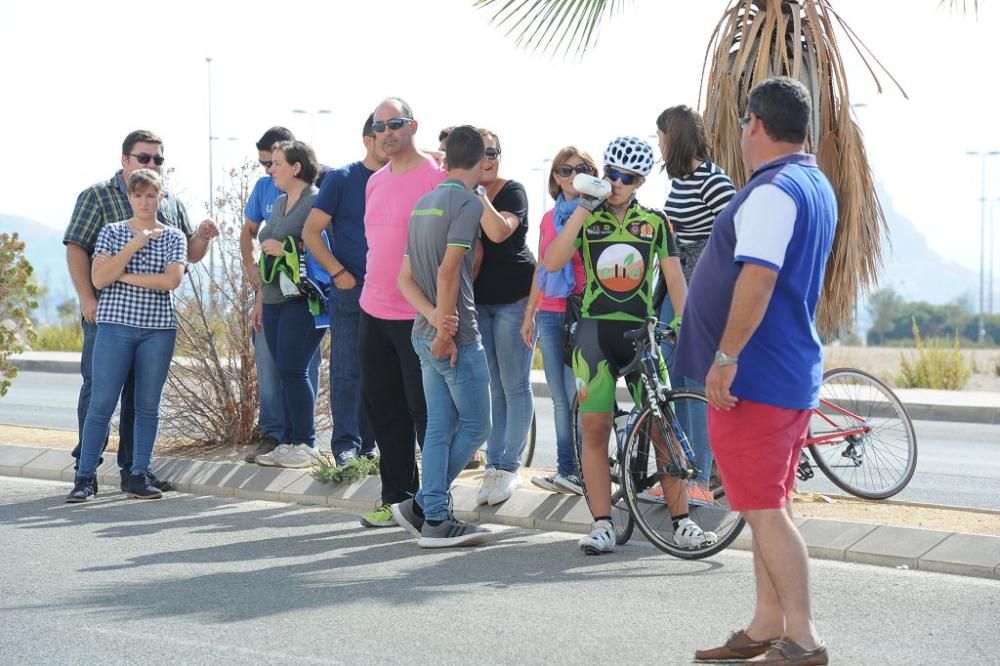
(491, 153)
(614, 174)
(744, 121)
(144, 158)
(380, 125)
(266, 163)
(567, 170)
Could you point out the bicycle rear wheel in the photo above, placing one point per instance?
(647, 463)
(620, 514)
(870, 449)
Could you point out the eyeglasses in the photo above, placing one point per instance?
(144, 158)
(266, 163)
(567, 170)
(614, 174)
(491, 153)
(744, 121)
(379, 125)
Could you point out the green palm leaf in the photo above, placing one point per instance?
(551, 26)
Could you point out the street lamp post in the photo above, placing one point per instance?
(981, 335)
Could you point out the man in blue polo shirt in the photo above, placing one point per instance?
(750, 330)
(339, 210)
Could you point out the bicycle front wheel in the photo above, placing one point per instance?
(620, 514)
(657, 461)
(861, 436)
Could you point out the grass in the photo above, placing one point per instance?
(59, 337)
(939, 364)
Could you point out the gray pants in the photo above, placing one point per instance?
(689, 253)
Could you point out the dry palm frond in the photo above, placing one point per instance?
(960, 5)
(758, 39)
(547, 25)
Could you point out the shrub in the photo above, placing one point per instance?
(939, 364)
(18, 294)
(59, 337)
(326, 471)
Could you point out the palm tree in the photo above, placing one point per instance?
(755, 40)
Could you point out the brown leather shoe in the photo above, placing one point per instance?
(788, 653)
(738, 648)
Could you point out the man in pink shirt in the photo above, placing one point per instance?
(391, 382)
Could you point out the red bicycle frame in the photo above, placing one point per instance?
(838, 434)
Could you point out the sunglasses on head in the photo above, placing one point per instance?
(567, 170)
(144, 158)
(379, 126)
(491, 153)
(614, 174)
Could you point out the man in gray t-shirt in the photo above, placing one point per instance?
(436, 279)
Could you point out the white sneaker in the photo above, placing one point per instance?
(567, 484)
(506, 483)
(298, 456)
(268, 459)
(489, 483)
(689, 535)
(600, 540)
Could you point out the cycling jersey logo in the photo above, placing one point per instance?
(643, 230)
(620, 268)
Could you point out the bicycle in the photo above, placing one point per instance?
(651, 447)
(860, 436)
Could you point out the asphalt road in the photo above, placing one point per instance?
(958, 463)
(204, 580)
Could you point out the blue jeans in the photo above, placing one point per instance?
(293, 340)
(121, 351)
(458, 419)
(126, 421)
(692, 415)
(509, 361)
(562, 386)
(271, 415)
(352, 430)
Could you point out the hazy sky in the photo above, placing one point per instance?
(76, 79)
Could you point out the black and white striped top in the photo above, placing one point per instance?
(694, 202)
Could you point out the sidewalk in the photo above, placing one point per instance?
(868, 543)
(921, 404)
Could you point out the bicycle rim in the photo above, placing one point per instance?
(876, 463)
(645, 467)
(621, 516)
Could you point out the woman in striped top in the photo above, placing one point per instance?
(699, 191)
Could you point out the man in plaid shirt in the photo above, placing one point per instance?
(105, 203)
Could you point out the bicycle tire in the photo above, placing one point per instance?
(653, 518)
(890, 445)
(621, 516)
(529, 446)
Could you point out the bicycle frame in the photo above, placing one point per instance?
(839, 434)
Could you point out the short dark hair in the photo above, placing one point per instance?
(139, 136)
(784, 106)
(464, 147)
(273, 136)
(299, 152)
(367, 130)
(685, 132)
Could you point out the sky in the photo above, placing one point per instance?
(77, 80)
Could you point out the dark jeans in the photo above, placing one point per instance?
(292, 338)
(393, 390)
(352, 430)
(126, 420)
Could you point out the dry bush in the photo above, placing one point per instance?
(939, 364)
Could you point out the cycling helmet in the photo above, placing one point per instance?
(631, 153)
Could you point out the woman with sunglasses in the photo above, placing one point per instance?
(546, 310)
(622, 243)
(502, 286)
(699, 191)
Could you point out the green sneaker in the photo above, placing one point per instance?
(381, 517)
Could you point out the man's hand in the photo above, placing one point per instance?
(208, 229)
(444, 323)
(257, 318)
(445, 347)
(88, 308)
(345, 281)
(717, 384)
(252, 274)
(273, 248)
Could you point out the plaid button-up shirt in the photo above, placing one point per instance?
(106, 203)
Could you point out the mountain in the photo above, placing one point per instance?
(44, 249)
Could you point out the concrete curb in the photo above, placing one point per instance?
(886, 545)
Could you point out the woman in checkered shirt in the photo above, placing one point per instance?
(137, 264)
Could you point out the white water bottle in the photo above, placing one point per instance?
(592, 186)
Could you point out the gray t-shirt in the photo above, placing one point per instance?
(280, 225)
(446, 216)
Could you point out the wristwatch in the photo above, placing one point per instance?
(480, 190)
(722, 358)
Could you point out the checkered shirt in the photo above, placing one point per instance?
(121, 303)
(107, 203)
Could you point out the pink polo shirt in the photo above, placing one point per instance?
(389, 201)
(547, 234)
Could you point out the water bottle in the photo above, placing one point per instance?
(592, 186)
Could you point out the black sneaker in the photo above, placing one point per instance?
(450, 533)
(140, 486)
(160, 484)
(407, 517)
(266, 445)
(83, 489)
(344, 457)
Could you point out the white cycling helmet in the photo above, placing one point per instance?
(631, 153)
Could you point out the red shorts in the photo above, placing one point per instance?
(756, 447)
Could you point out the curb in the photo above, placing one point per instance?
(956, 553)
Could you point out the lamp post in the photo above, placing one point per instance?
(983, 154)
(993, 248)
